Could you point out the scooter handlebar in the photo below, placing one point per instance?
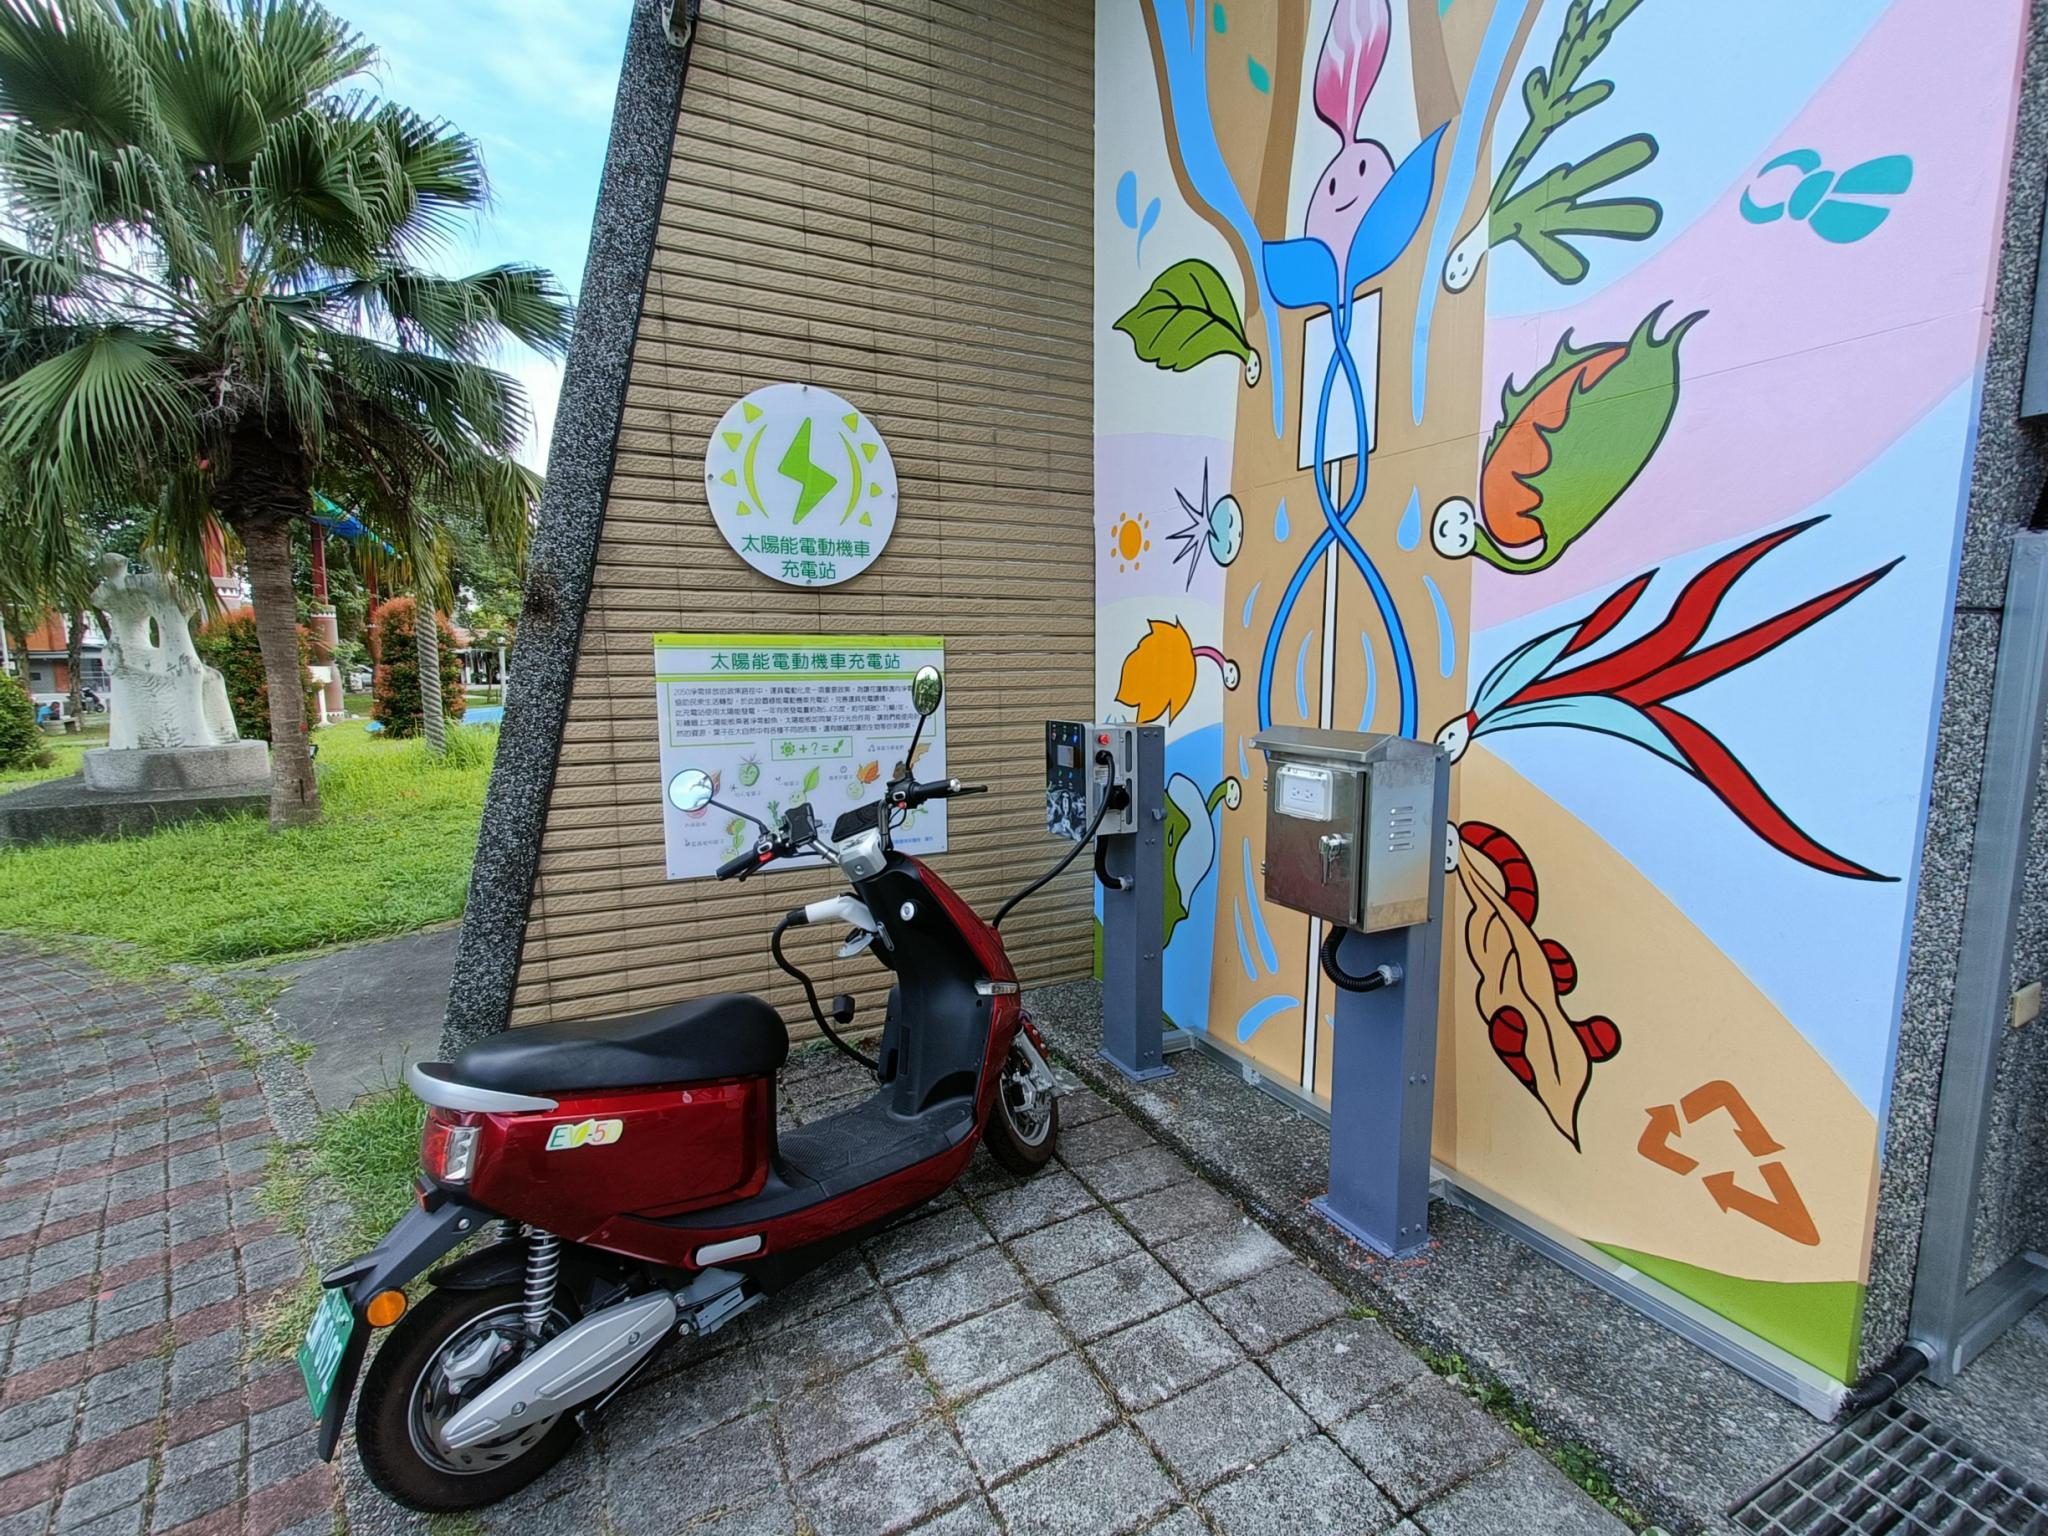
(742, 865)
(941, 789)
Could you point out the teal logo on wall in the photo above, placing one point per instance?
(1831, 206)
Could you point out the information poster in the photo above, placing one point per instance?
(776, 720)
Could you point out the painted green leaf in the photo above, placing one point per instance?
(810, 781)
(1573, 440)
(1186, 317)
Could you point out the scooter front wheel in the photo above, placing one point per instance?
(1024, 1123)
(442, 1352)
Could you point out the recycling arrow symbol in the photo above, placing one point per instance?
(1780, 1207)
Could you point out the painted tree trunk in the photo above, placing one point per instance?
(426, 630)
(294, 793)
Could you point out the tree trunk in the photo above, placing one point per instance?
(370, 613)
(294, 793)
(74, 661)
(426, 632)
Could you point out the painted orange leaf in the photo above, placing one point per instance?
(1158, 677)
(1518, 991)
(869, 772)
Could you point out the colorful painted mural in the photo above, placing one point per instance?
(1588, 384)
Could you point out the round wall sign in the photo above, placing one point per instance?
(801, 485)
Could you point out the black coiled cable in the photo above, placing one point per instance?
(791, 920)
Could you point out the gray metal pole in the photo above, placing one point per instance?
(1383, 1075)
(1134, 923)
(1947, 1313)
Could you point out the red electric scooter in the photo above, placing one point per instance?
(632, 1183)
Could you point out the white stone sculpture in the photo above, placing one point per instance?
(163, 695)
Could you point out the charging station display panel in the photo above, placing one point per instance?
(777, 720)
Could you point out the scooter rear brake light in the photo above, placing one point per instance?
(447, 1149)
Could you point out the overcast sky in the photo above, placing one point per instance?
(532, 81)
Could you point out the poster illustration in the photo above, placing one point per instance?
(776, 720)
(1588, 386)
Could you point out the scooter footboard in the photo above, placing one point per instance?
(426, 1232)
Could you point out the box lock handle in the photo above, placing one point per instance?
(1333, 846)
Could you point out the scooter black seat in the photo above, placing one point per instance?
(729, 1035)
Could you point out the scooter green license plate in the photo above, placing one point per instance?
(326, 1341)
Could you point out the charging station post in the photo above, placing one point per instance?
(1355, 837)
(1109, 780)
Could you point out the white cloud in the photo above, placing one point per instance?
(541, 378)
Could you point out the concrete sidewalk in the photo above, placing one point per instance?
(1110, 1346)
(367, 1011)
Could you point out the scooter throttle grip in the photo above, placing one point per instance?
(958, 789)
(741, 864)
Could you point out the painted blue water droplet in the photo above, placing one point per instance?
(1261, 81)
(1446, 635)
(1145, 225)
(1409, 534)
(1280, 521)
(1127, 199)
(1372, 683)
(1219, 21)
(1251, 601)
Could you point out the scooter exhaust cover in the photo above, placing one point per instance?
(569, 1369)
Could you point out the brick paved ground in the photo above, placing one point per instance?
(134, 1266)
(1111, 1346)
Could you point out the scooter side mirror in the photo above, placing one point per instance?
(690, 790)
(927, 688)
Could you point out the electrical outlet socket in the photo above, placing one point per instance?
(2026, 1005)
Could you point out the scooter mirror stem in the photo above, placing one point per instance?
(736, 811)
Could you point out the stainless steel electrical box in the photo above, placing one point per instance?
(1349, 834)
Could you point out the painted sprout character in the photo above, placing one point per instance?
(1568, 445)
(1626, 692)
(1348, 67)
(1363, 214)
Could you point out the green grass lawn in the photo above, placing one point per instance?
(391, 855)
(65, 751)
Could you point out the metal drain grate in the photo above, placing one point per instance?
(1895, 1471)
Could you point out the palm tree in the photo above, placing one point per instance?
(218, 245)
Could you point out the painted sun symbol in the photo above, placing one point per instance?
(1130, 536)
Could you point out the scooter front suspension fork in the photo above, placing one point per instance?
(543, 1265)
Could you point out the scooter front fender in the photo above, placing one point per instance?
(427, 1231)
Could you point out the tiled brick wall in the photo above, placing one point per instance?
(891, 200)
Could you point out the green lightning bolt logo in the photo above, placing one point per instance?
(813, 483)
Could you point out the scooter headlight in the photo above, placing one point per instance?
(447, 1149)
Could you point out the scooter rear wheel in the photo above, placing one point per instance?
(410, 1387)
(1024, 1123)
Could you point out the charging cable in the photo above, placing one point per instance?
(790, 920)
(1379, 976)
(1115, 793)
